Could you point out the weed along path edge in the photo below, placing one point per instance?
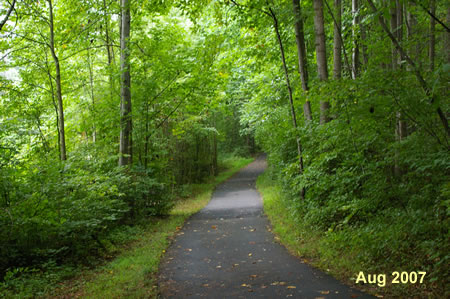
(227, 251)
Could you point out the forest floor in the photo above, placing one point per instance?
(227, 250)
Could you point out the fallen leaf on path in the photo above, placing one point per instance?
(282, 283)
(253, 276)
(291, 287)
(324, 292)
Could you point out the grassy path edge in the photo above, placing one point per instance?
(302, 242)
(133, 273)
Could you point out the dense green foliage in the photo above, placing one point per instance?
(53, 211)
(383, 199)
(207, 78)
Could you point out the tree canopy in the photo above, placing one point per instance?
(107, 108)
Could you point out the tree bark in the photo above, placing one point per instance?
(411, 31)
(125, 147)
(432, 49)
(337, 49)
(399, 35)
(393, 13)
(447, 37)
(62, 139)
(91, 83)
(324, 107)
(321, 54)
(355, 52)
(319, 30)
(307, 111)
(300, 40)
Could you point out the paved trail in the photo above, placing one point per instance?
(227, 251)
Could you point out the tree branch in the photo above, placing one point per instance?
(8, 13)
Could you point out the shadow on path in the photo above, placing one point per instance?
(227, 251)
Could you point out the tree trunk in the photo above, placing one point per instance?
(399, 14)
(301, 48)
(321, 54)
(393, 13)
(320, 40)
(291, 100)
(411, 31)
(91, 83)
(61, 133)
(324, 107)
(125, 147)
(432, 50)
(355, 52)
(447, 38)
(337, 49)
(307, 111)
(109, 51)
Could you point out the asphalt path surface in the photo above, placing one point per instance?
(227, 251)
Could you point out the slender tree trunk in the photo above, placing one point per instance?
(62, 139)
(321, 54)
(355, 52)
(393, 13)
(320, 40)
(91, 83)
(432, 50)
(337, 44)
(411, 31)
(107, 41)
(399, 35)
(109, 51)
(215, 168)
(447, 37)
(301, 52)
(347, 63)
(300, 40)
(291, 99)
(125, 147)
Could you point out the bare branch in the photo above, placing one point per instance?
(8, 13)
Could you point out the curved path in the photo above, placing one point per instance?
(227, 251)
